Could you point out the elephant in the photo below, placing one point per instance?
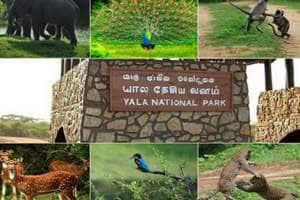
(13, 27)
(61, 13)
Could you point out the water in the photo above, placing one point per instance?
(2, 30)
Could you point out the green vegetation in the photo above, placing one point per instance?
(118, 28)
(293, 4)
(22, 126)
(114, 175)
(215, 156)
(36, 159)
(24, 47)
(135, 51)
(229, 31)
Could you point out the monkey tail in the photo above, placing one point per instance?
(244, 11)
(274, 31)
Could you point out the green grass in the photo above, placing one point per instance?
(215, 156)
(136, 51)
(22, 47)
(229, 30)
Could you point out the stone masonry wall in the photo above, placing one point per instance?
(278, 114)
(101, 125)
(67, 103)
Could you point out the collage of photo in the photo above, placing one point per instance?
(150, 99)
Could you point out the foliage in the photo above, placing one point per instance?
(229, 31)
(24, 47)
(38, 157)
(22, 126)
(118, 178)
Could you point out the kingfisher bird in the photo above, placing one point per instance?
(141, 163)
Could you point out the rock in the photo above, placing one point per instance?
(210, 129)
(174, 124)
(143, 119)
(226, 118)
(105, 137)
(236, 89)
(93, 111)
(100, 86)
(214, 121)
(93, 69)
(146, 131)
(228, 135)
(235, 68)
(243, 114)
(104, 69)
(160, 127)
(91, 122)
(186, 115)
(93, 95)
(245, 130)
(170, 140)
(97, 79)
(119, 124)
(86, 134)
(133, 128)
(233, 126)
(193, 128)
(240, 76)
(163, 117)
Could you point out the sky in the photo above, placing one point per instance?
(26, 85)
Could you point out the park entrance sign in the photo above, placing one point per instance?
(169, 90)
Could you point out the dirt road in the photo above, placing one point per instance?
(285, 170)
(21, 140)
(291, 46)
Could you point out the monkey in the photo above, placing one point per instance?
(259, 185)
(283, 24)
(255, 14)
(227, 180)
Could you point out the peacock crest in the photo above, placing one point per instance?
(152, 21)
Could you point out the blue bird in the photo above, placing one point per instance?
(141, 163)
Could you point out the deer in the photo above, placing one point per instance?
(34, 185)
(5, 156)
(78, 169)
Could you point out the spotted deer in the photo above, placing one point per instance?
(33, 185)
(5, 156)
(77, 169)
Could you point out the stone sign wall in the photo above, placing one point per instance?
(278, 114)
(67, 103)
(100, 124)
